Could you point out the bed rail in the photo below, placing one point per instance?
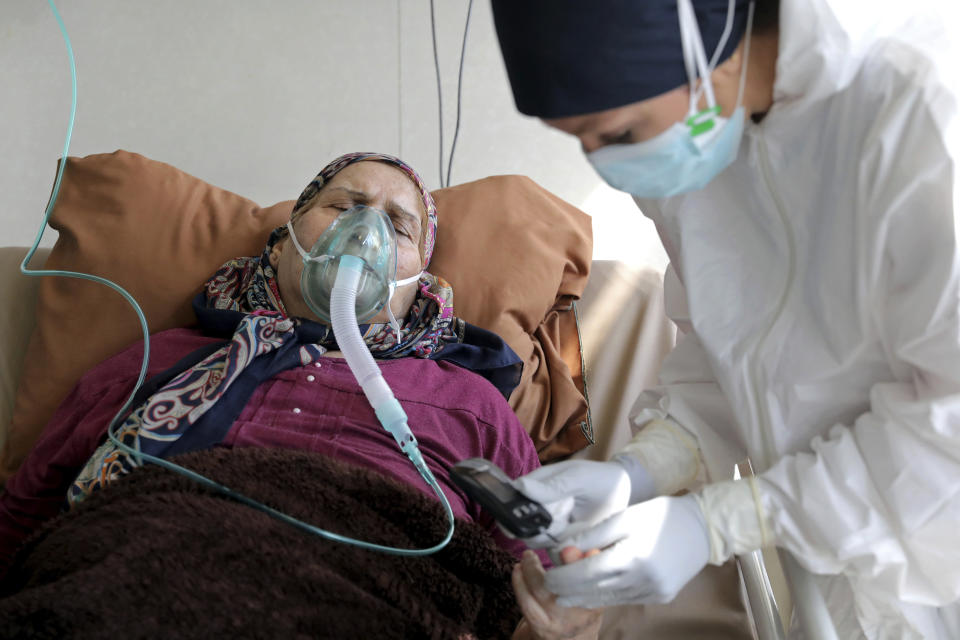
(768, 618)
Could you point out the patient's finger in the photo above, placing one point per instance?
(531, 608)
(535, 577)
(570, 554)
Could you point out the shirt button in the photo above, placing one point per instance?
(296, 410)
(310, 378)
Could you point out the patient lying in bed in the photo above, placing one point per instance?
(264, 404)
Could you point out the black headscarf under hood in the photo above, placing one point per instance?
(570, 57)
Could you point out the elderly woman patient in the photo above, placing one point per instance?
(259, 399)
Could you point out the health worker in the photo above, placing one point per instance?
(799, 160)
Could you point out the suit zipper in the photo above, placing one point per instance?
(754, 369)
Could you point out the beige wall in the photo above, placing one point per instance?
(256, 96)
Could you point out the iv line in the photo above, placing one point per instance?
(139, 456)
(436, 67)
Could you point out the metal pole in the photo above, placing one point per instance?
(811, 610)
(761, 601)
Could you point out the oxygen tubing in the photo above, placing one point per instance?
(391, 415)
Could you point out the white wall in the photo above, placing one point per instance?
(257, 96)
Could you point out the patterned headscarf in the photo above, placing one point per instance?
(250, 285)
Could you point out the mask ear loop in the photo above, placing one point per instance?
(694, 53)
(303, 254)
(689, 62)
(746, 54)
(714, 60)
(293, 236)
(727, 30)
(695, 58)
(393, 287)
(697, 41)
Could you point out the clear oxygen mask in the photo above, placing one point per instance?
(367, 234)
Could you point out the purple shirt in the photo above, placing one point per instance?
(453, 412)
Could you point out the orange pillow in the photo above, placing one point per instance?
(515, 254)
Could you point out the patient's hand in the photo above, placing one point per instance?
(542, 618)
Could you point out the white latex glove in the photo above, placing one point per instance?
(580, 493)
(648, 553)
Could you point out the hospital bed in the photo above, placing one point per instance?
(620, 325)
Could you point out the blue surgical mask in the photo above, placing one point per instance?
(691, 153)
(671, 163)
(368, 234)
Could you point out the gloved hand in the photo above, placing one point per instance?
(580, 493)
(648, 553)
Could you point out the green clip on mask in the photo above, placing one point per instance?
(368, 234)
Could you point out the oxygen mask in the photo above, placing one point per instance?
(367, 234)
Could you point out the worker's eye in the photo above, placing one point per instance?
(624, 137)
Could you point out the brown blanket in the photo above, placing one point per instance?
(156, 555)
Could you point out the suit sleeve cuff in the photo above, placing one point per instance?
(736, 520)
(669, 454)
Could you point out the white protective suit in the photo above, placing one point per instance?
(818, 282)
